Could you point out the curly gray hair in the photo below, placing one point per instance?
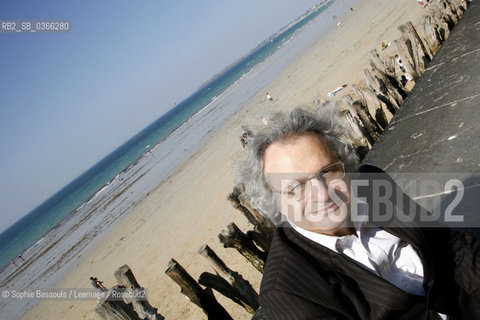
(283, 127)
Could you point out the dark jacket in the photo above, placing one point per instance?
(304, 280)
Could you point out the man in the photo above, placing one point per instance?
(329, 259)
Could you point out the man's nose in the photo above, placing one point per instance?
(316, 190)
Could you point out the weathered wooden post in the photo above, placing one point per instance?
(376, 89)
(262, 223)
(353, 134)
(240, 289)
(390, 66)
(388, 86)
(365, 114)
(416, 47)
(371, 126)
(115, 309)
(440, 23)
(127, 300)
(354, 129)
(432, 37)
(414, 37)
(449, 11)
(378, 62)
(357, 116)
(193, 292)
(233, 198)
(375, 107)
(459, 6)
(260, 220)
(404, 51)
(233, 237)
(142, 307)
(241, 202)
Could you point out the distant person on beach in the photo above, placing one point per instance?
(269, 98)
(243, 141)
(21, 258)
(265, 121)
(97, 284)
(400, 63)
(384, 45)
(13, 262)
(343, 248)
(247, 133)
(246, 136)
(332, 93)
(403, 80)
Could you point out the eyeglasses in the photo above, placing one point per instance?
(328, 174)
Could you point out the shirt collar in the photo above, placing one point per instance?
(330, 241)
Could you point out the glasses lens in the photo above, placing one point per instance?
(295, 191)
(333, 172)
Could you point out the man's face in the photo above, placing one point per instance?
(291, 169)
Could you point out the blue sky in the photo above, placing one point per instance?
(69, 99)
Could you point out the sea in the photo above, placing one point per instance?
(49, 241)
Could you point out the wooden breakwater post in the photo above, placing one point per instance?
(373, 105)
(142, 307)
(389, 85)
(233, 237)
(228, 282)
(415, 47)
(127, 300)
(262, 234)
(203, 298)
(110, 309)
(371, 129)
(366, 117)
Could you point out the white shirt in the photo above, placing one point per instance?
(378, 251)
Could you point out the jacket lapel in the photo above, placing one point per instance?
(369, 294)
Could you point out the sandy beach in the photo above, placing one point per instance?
(189, 208)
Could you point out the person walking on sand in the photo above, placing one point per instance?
(97, 284)
(269, 98)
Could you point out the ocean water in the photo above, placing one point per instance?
(54, 237)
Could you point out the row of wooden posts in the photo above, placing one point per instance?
(366, 117)
(254, 246)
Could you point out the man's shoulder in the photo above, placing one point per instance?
(297, 276)
(278, 258)
(289, 263)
